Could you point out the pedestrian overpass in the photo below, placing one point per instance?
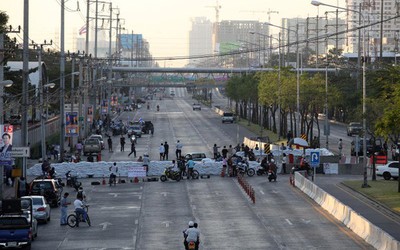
(186, 77)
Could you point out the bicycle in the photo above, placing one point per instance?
(72, 219)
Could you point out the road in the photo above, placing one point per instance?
(152, 215)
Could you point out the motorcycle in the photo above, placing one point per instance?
(72, 181)
(170, 174)
(271, 176)
(243, 168)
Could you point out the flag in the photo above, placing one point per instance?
(82, 30)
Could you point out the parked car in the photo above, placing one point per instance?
(100, 137)
(196, 106)
(47, 188)
(195, 156)
(389, 170)
(91, 145)
(40, 207)
(354, 128)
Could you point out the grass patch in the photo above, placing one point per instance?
(383, 191)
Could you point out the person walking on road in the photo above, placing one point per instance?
(122, 142)
(178, 151)
(109, 141)
(162, 151)
(166, 151)
(22, 187)
(133, 149)
(64, 209)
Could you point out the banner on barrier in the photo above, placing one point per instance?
(137, 172)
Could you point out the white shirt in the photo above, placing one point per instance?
(162, 149)
(78, 204)
(179, 146)
(192, 234)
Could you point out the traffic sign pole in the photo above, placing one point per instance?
(315, 161)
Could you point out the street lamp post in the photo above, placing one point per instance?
(44, 117)
(364, 110)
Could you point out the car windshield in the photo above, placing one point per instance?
(41, 185)
(228, 114)
(355, 124)
(37, 201)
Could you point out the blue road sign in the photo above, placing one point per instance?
(315, 160)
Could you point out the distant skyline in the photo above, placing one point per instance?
(164, 24)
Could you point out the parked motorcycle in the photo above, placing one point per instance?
(72, 181)
(243, 168)
(170, 174)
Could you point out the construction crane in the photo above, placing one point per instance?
(216, 7)
(269, 12)
(215, 26)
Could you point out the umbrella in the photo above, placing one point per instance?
(298, 142)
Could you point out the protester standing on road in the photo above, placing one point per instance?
(230, 151)
(340, 147)
(22, 187)
(178, 151)
(162, 151)
(284, 159)
(64, 209)
(224, 152)
(109, 141)
(122, 142)
(133, 149)
(190, 167)
(215, 151)
(146, 162)
(166, 151)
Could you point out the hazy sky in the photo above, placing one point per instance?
(164, 23)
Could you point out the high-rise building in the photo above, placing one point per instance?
(373, 12)
(200, 40)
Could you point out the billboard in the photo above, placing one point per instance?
(104, 107)
(7, 132)
(71, 124)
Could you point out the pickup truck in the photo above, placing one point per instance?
(15, 225)
(15, 231)
(92, 145)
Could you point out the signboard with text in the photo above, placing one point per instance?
(71, 124)
(7, 132)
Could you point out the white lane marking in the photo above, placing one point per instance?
(114, 194)
(136, 221)
(166, 223)
(262, 192)
(105, 225)
(288, 221)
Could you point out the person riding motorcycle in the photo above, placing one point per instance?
(191, 235)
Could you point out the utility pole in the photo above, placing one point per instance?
(39, 48)
(25, 82)
(62, 82)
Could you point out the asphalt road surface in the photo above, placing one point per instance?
(152, 215)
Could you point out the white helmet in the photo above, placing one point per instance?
(191, 223)
(272, 160)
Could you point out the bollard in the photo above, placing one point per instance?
(104, 180)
